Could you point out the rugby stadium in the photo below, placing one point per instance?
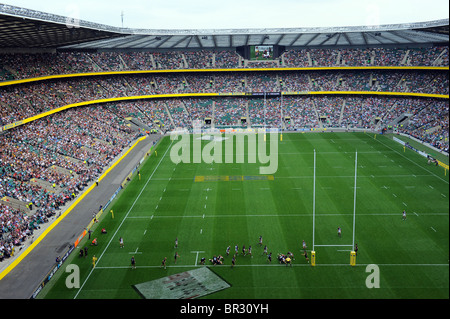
(291, 163)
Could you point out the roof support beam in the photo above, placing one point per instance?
(163, 41)
(347, 38)
(402, 36)
(279, 39)
(310, 40)
(179, 41)
(364, 37)
(198, 41)
(295, 40)
(376, 37)
(328, 38)
(337, 38)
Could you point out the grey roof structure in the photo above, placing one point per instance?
(26, 28)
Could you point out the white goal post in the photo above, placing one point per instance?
(314, 208)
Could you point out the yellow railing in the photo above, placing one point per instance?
(156, 96)
(162, 96)
(134, 72)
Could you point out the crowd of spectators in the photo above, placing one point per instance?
(229, 111)
(21, 66)
(23, 101)
(429, 123)
(300, 111)
(46, 163)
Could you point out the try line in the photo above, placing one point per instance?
(277, 265)
(276, 215)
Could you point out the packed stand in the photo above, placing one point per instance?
(46, 163)
(21, 66)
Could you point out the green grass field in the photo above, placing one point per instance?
(207, 216)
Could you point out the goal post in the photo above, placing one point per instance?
(314, 245)
(354, 199)
(314, 203)
(352, 258)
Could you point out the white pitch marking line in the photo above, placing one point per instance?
(412, 161)
(123, 220)
(196, 258)
(434, 229)
(394, 195)
(135, 252)
(280, 215)
(278, 265)
(404, 204)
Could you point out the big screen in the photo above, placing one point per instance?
(261, 52)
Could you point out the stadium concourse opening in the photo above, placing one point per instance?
(74, 102)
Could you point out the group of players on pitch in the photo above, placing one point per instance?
(282, 258)
(219, 260)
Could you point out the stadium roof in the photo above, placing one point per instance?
(25, 28)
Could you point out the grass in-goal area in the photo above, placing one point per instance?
(207, 216)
